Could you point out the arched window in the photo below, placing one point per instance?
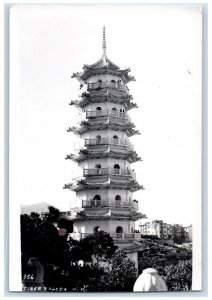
(114, 111)
(118, 200)
(99, 83)
(116, 169)
(115, 139)
(113, 83)
(96, 229)
(97, 200)
(98, 139)
(119, 229)
(122, 112)
(98, 170)
(98, 111)
(119, 84)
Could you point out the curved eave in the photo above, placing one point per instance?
(82, 185)
(111, 217)
(128, 129)
(123, 74)
(130, 157)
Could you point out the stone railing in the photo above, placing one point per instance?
(115, 236)
(105, 203)
(104, 113)
(108, 171)
(108, 141)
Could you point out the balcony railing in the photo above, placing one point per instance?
(101, 85)
(104, 113)
(108, 171)
(115, 236)
(108, 141)
(125, 236)
(104, 203)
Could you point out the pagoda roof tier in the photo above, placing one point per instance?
(86, 126)
(82, 184)
(103, 66)
(85, 154)
(88, 98)
(108, 215)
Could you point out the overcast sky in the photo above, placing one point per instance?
(162, 46)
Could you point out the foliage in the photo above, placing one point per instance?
(60, 256)
(179, 277)
(174, 264)
(104, 267)
(120, 273)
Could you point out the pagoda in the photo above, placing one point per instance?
(104, 189)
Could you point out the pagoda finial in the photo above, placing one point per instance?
(104, 42)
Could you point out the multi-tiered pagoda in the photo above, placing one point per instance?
(104, 191)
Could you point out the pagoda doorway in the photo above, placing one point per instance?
(97, 200)
(98, 168)
(116, 169)
(118, 200)
(119, 232)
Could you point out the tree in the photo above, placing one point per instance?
(166, 259)
(179, 276)
(119, 275)
(99, 246)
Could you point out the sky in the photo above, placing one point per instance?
(162, 46)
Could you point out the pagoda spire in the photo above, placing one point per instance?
(104, 42)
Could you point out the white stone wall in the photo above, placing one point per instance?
(104, 194)
(104, 78)
(105, 225)
(105, 163)
(104, 134)
(104, 106)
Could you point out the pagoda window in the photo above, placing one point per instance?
(98, 166)
(119, 229)
(114, 111)
(115, 139)
(119, 84)
(118, 200)
(98, 139)
(116, 169)
(97, 200)
(98, 111)
(113, 83)
(99, 83)
(98, 169)
(122, 112)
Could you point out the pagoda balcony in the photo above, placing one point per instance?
(111, 85)
(105, 113)
(108, 171)
(125, 236)
(118, 237)
(101, 203)
(108, 141)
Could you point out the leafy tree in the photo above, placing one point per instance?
(167, 260)
(100, 245)
(120, 274)
(179, 277)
